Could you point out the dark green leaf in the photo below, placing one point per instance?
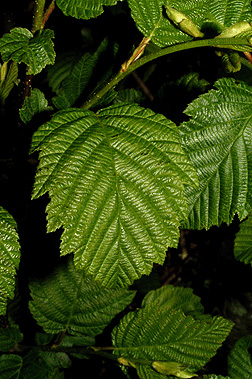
(68, 301)
(9, 337)
(21, 45)
(243, 241)
(10, 366)
(239, 360)
(34, 104)
(84, 9)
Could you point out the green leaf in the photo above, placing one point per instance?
(170, 297)
(74, 84)
(35, 365)
(9, 337)
(229, 12)
(21, 45)
(9, 81)
(128, 96)
(216, 377)
(68, 301)
(116, 182)
(150, 20)
(34, 104)
(84, 9)
(10, 257)
(10, 366)
(239, 359)
(217, 139)
(243, 241)
(167, 335)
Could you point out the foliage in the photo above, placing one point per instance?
(122, 177)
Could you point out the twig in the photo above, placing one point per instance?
(143, 86)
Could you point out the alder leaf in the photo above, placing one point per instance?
(84, 9)
(239, 359)
(36, 51)
(9, 337)
(68, 301)
(34, 104)
(10, 257)
(8, 82)
(10, 366)
(151, 20)
(243, 241)
(161, 334)
(116, 181)
(229, 12)
(218, 141)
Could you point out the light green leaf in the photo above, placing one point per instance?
(239, 359)
(68, 301)
(116, 182)
(21, 45)
(10, 257)
(167, 335)
(75, 83)
(218, 141)
(84, 9)
(243, 241)
(229, 12)
(34, 104)
(9, 337)
(170, 297)
(10, 366)
(151, 21)
(9, 81)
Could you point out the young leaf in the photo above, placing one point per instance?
(10, 366)
(10, 257)
(116, 182)
(218, 142)
(239, 359)
(243, 241)
(167, 335)
(84, 9)
(21, 45)
(74, 84)
(9, 337)
(150, 20)
(34, 104)
(68, 301)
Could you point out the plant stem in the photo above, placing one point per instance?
(228, 43)
(38, 15)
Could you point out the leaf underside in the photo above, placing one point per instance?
(217, 139)
(116, 182)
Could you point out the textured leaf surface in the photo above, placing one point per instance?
(167, 335)
(239, 360)
(35, 51)
(150, 19)
(243, 241)
(215, 377)
(70, 302)
(170, 297)
(229, 12)
(9, 337)
(34, 104)
(115, 180)
(10, 79)
(10, 366)
(218, 142)
(84, 9)
(10, 257)
(74, 84)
